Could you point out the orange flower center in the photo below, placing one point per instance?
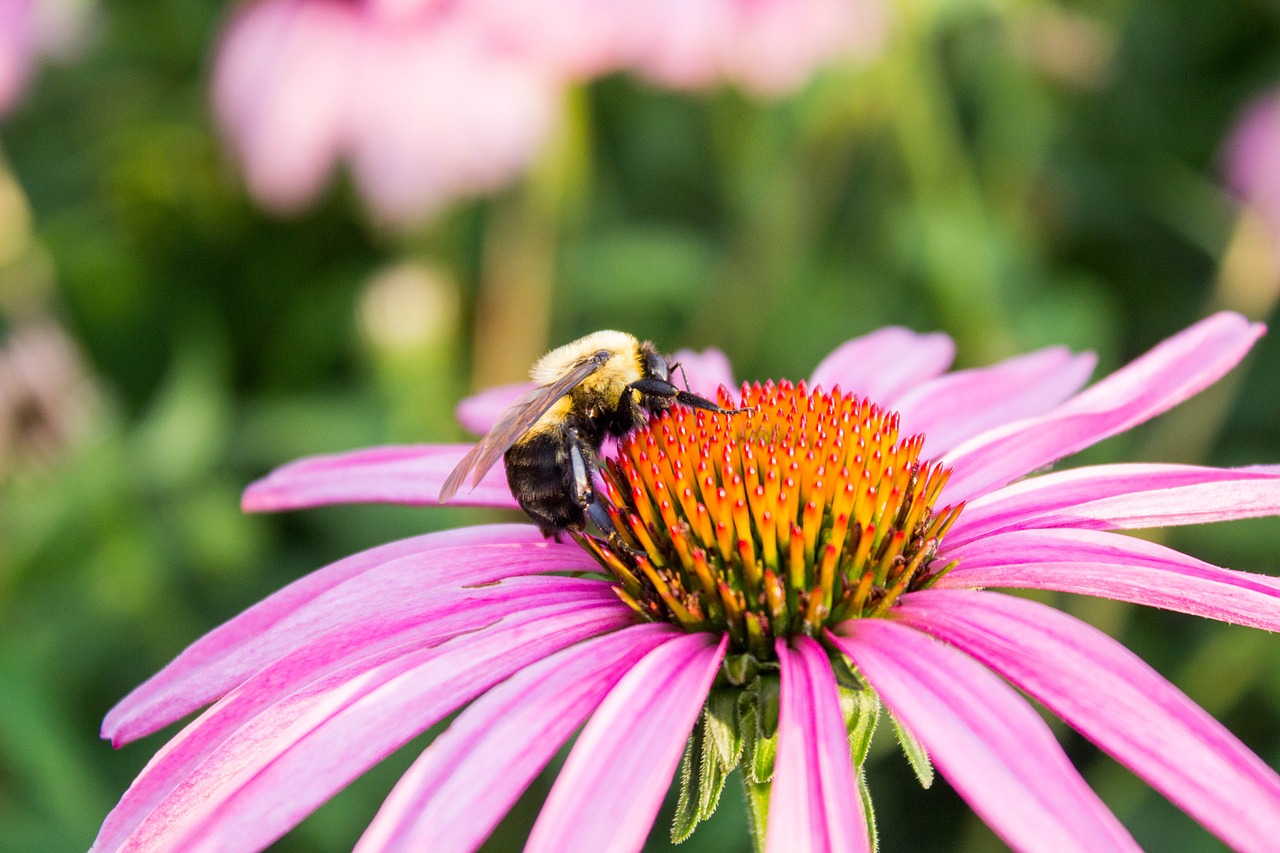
(801, 513)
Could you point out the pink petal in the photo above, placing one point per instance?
(410, 475)
(443, 109)
(1111, 697)
(984, 738)
(1157, 381)
(957, 406)
(769, 47)
(614, 780)
(291, 758)
(577, 38)
(17, 48)
(280, 91)
(706, 371)
(814, 805)
(1252, 155)
(1119, 567)
(885, 363)
(339, 655)
(480, 412)
(455, 794)
(1126, 496)
(372, 583)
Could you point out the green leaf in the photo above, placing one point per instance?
(861, 710)
(724, 730)
(915, 753)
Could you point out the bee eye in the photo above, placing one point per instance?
(656, 366)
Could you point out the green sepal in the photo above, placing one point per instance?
(864, 793)
(915, 752)
(861, 710)
(741, 669)
(724, 731)
(845, 674)
(761, 750)
(768, 692)
(702, 779)
(682, 825)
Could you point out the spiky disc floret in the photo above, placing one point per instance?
(803, 512)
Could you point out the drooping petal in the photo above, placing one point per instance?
(957, 406)
(885, 363)
(1166, 375)
(411, 475)
(984, 738)
(1123, 568)
(481, 411)
(1111, 697)
(342, 653)
(455, 794)
(814, 804)
(613, 782)
(291, 758)
(373, 583)
(1128, 496)
(706, 371)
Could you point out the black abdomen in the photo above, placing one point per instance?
(540, 473)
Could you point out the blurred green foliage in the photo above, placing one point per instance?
(1016, 173)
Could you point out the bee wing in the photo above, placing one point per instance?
(515, 422)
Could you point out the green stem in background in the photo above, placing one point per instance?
(948, 199)
(516, 287)
(770, 219)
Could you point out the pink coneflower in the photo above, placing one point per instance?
(767, 47)
(782, 574)
(17, 48)
(426, 103)
(1252, 155)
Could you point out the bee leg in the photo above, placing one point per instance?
(662, 388)
(673, 367)
(584, 495)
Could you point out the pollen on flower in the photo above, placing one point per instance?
(807, 510)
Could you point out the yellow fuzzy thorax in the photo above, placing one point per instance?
(606, 385)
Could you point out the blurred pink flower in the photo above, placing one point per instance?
(425, 104)
(768, 47)
(321, 680)
(576, 39)
(17, 48)
(1252, 155)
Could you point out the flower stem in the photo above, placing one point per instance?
(964, 274)
(757, 794)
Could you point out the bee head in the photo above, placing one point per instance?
(657, 393)
(655, 366)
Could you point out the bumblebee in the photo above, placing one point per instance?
(605, 384)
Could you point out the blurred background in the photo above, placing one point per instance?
(232, 235)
